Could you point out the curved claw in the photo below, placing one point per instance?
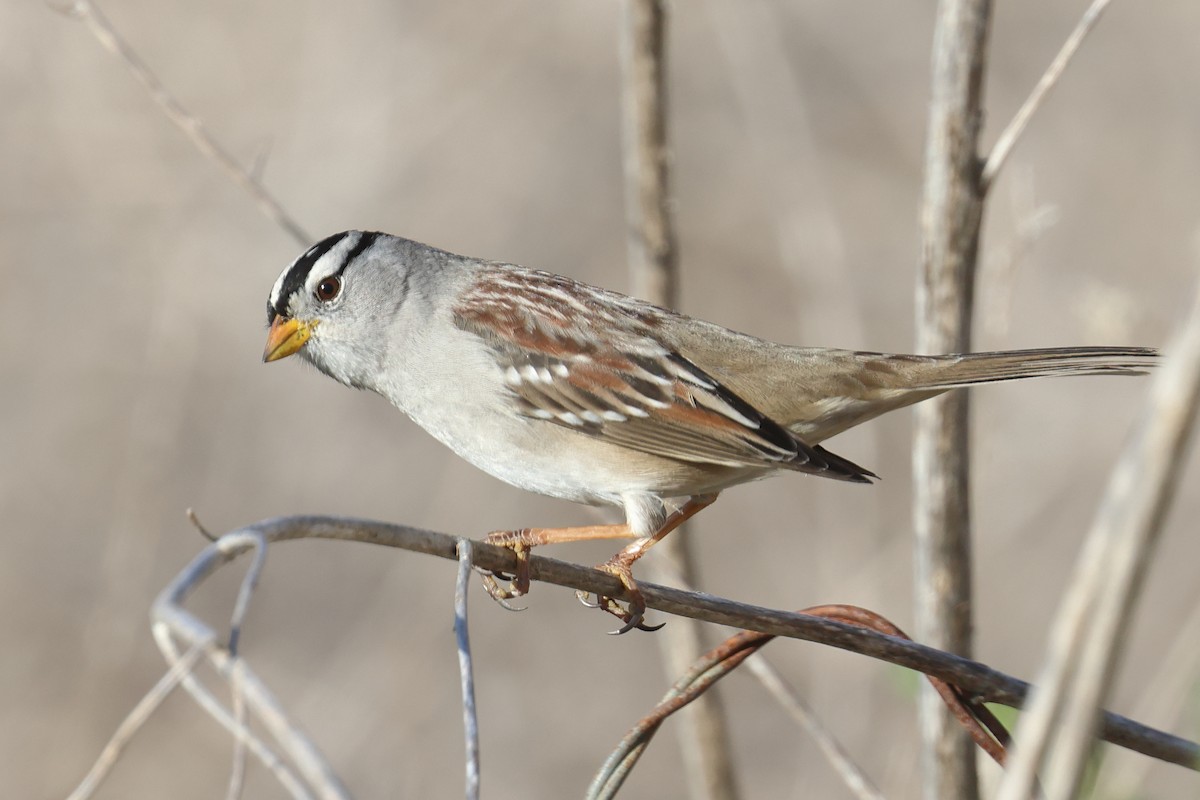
(632, 619)
(498, 593)
(518, 583)
(641, 626)
(501, 596)
(583, 596)
(507, 606)
(611, 606)
(634, 613)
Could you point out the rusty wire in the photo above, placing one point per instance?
(978, 721)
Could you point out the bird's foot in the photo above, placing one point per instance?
(518, 582)
(631, 614)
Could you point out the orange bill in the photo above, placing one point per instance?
(285, 337)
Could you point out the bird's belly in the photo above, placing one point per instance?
(553, 460)
(532, 454)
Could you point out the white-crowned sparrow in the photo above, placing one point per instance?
(572, 391)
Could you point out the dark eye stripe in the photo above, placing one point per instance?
(365, 240)
(296, 276)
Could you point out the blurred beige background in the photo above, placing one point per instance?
(134, 278)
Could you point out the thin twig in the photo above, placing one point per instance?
(237, 774)
(172, 622)
(974, 678)
(653, 257)
(465, 670)
(951, 213)
(192, 127)
(1175, 678)
(698, 679)
(134, 721)
(851, 774)
(998, 272)
(198, 525)
(245, 593)
(722, 660)
(1058, 729)
(838, 758)
(286, 776)
(1018, 124)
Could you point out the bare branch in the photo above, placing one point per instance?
(1173, 679)
(237, 775)
(192, 127)
(1016, 127)
(134, 721)
(198, 525)
(851, 774)
(245, 593)
(172, 622)
(1059, 728)
(951, 213)
(207, 701)
(717, 663)
(767, 675)
(653, 258)
(465, 670)
(695, 681)
(977, 679)
(998, 271)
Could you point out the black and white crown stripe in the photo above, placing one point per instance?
(296, 276)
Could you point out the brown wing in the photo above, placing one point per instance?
(553, 345)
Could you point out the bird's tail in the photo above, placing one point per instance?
(948, 372)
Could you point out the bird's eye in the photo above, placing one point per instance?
(328, 288)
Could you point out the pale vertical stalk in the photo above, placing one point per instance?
(466, 669)
(1058, 729)
(653, 264)
(950, 220)
(653, 259)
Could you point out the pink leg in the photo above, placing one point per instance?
(621, 565)
(521, 541)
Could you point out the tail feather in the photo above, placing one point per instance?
(844, 469)
(948, 372)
